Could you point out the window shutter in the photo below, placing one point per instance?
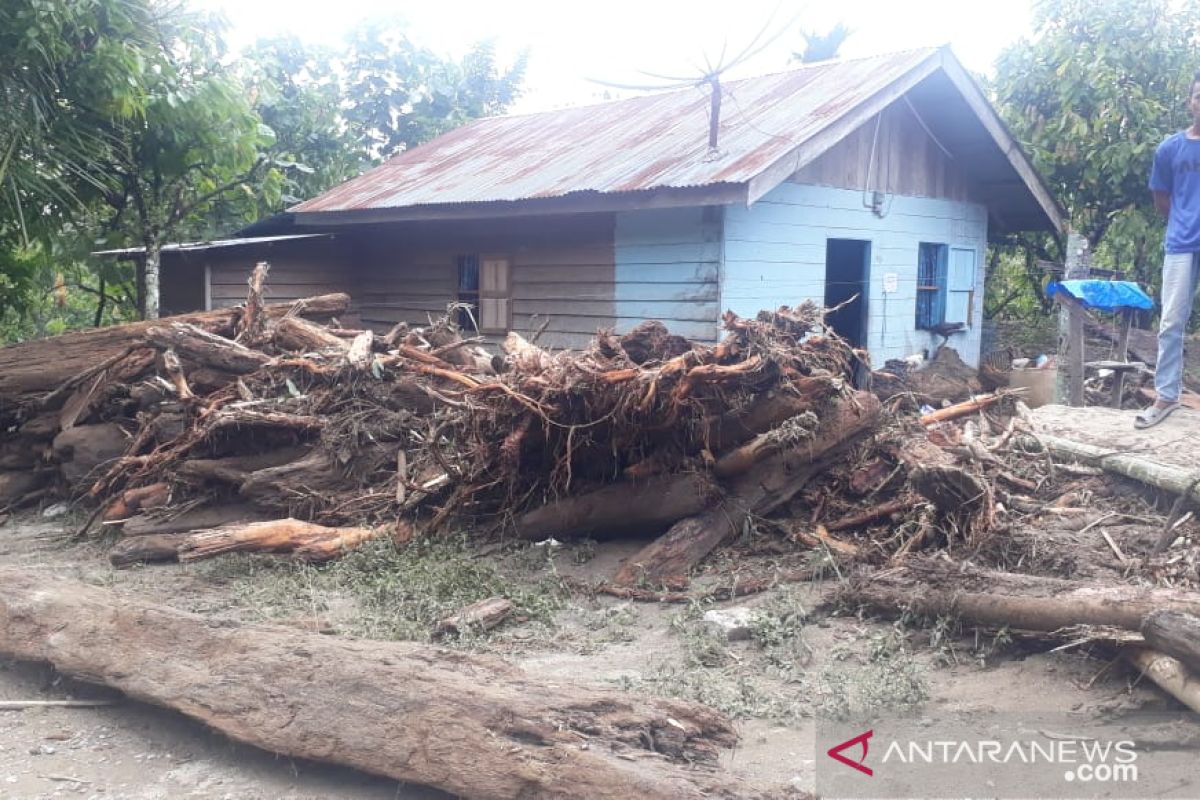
(495, 295)
(493, 313)
(960, 285)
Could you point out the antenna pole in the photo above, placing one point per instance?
(714, 119)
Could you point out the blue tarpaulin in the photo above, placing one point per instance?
(1103, 295)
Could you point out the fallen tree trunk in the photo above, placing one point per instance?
(621, 508)
(306, 540)
(1176, 480)
(209, 349)
(1169, 674)
(292, 333)
(470, 725)
(43, 364)
(767, 485)
(234, 470)
(481, 616)
(146, 549)
(210, 516)
(1013, 600)
(766, 412)
(1176, 634)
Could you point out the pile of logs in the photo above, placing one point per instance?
(260, 429)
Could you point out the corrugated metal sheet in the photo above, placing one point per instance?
(652, 142)
(216, 244)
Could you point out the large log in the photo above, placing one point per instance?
(43, 364)
(768, 485)
(306, 540)
(291, 333)
(1013, 600)
(1171, 675)
(84, 448)
(470, 725)
(149, 548)
(1175, 633)
(621, 508)
(236, 469)
(767, 411)
(209, 349)
(209, 516)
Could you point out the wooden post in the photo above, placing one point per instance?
(1070, 327)
(1121, 355)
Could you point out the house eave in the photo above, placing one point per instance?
(577, 203)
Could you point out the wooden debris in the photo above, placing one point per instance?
(306, 540)
(481, 616)
(761, 490)
(1011, 600)
(1169, 674)
(469, 725)
(1174, 633)
(822, 538)
(962, 409)
(42, 365)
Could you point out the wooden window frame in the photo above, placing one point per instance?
(937, 289)
(499, 290)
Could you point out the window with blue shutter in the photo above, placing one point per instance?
(931, 284)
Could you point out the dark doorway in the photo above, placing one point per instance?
(847, 273)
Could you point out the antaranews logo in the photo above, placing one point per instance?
(862, 740)
(1083, 760)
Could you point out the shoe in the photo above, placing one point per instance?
(1149, 417)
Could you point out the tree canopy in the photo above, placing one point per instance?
(125, 123)
(1090, 96)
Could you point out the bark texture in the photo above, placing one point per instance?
(470, 725)
(43, 364)
(1022, 602)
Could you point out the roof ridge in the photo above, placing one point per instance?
(927, 50)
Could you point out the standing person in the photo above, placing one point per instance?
(1175, 182)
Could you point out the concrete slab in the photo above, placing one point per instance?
(1175, 441)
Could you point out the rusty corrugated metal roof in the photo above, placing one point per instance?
(650, 142)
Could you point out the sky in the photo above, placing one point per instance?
(575, 45)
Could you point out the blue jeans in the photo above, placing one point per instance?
(1179, 277)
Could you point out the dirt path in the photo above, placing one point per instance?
(793, 666)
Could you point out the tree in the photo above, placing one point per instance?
(61, 64)
(1094, 93)
(396, 94)
(820, 46)
(296, 90)
(1090, 96)
(195, 154)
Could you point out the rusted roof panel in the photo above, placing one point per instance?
(650, 142)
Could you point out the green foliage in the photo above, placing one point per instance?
(1090, 96)
(397, 94)
(297, 92)
(122, 124)
(1094, 93)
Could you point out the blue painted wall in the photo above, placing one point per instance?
(774, 254)
(668, 265)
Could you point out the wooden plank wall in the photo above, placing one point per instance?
(562, 272)
(907, 160)
(299, 268)
(775, 254)
(668, 267)
(181, 285)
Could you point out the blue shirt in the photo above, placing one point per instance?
(1177, 172)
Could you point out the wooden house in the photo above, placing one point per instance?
(870, 183)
